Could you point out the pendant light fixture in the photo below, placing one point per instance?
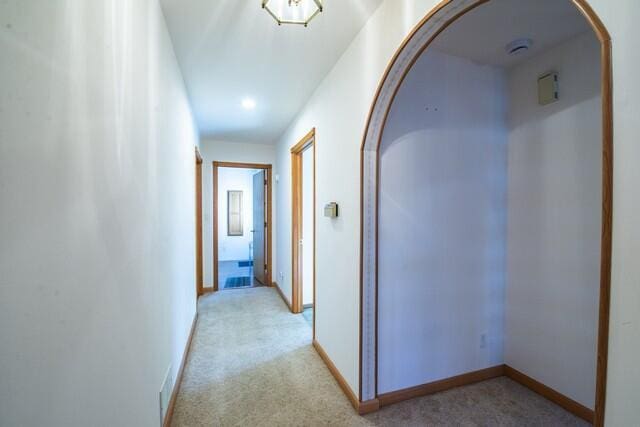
(296, 12)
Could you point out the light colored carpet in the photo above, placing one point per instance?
(252, 364)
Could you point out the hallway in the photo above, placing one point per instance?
(252, 363)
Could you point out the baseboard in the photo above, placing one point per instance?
(176, 385)
(368, 406)
(275, 285)
(207, 290)
(441, 385)
(559, 399)
(336, 374)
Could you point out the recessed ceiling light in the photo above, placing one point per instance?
(248, 104)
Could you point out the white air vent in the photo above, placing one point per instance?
(165, 394)
(518, 46)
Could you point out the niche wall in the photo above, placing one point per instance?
(442, 223)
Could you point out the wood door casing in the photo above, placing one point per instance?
(259, 228)
(307, 142)
(198, 207)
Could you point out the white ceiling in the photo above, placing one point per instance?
(490, 27)
(232, 49)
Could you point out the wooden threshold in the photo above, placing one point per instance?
(176, 385)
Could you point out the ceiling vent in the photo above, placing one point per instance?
(518, 46)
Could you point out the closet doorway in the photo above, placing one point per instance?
(198, 208)
(303, 226)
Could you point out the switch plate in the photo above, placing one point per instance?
(548, 88)
(331, 210)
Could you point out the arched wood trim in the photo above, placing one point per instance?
(369, 161)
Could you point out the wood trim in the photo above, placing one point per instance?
(606, 233)
(419, 53)
(241, 165)
(198, 209)
(315, 240)
(594, 20)
(441, 385)
(296, 231)
(304, 142)
(268, 214)
(176, 386)
(307, 142)
(284, 298)
(214, 249)
(368, 406)
(486, 374)
(361, 407)
(558, 398)
(607, 184)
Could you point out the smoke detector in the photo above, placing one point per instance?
(518, 46)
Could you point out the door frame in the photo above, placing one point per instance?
(198, 208)
(268, 172)
(307, 142)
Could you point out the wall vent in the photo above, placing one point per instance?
(165, 394)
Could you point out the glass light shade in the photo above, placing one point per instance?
(299, 12)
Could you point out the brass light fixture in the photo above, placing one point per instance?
(297, 12)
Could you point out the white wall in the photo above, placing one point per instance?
(97, 283)
(235, 248)
(442, 224)
(223, 151)
(553, 249)
(307, 226)
(339, 108)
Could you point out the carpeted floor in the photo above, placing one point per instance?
(252, 364)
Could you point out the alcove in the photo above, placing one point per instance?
(486, 210)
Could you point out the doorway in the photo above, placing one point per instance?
(198, 206)
(303, 223)
(241, 225)
(528, 196)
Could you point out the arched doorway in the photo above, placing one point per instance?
(437, 21)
